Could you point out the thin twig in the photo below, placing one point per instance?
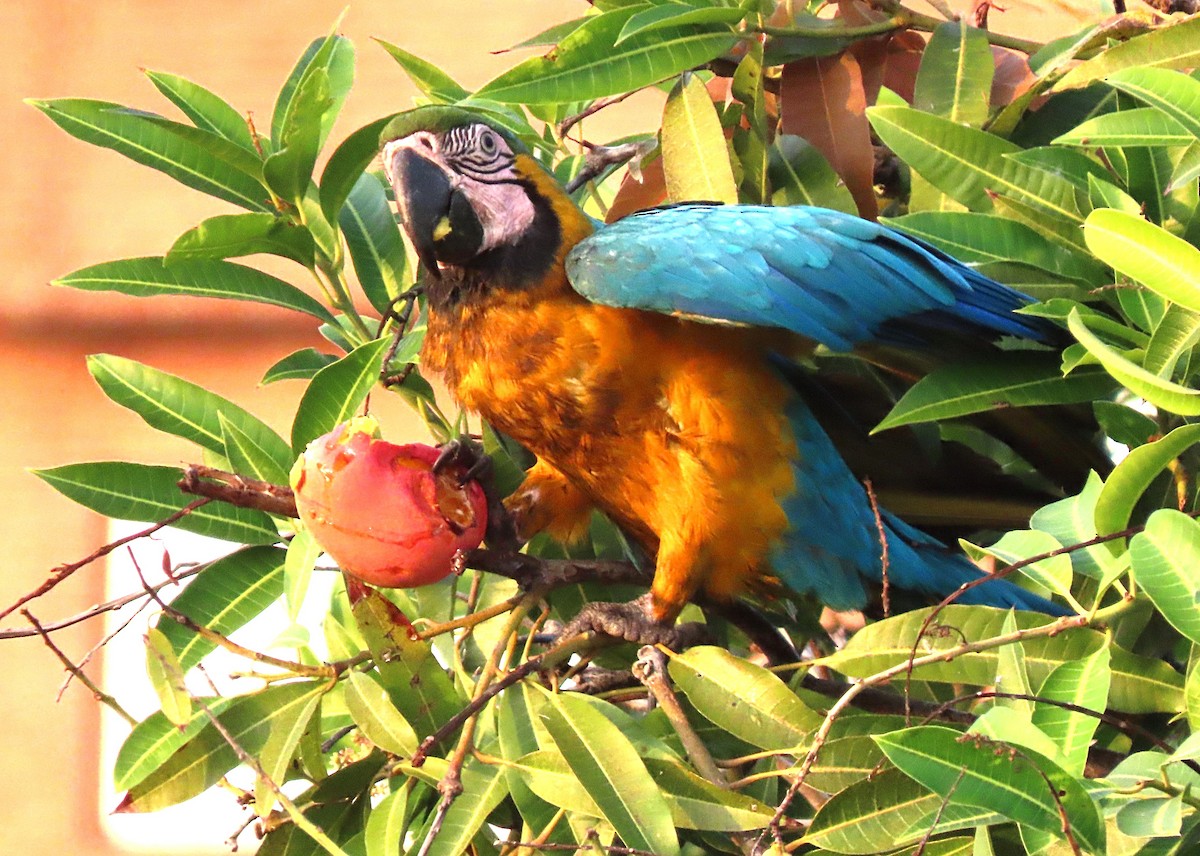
(63, 571)
(99, 694)
(883, 547)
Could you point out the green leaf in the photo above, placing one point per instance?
(224, 596)
(1073, 521)
(483, 790)
(289, 170)
(658, 17)
(149, 276)
(877, 813)
(1166, 563)
(615, 777)
(1162, 393)
(385, 826)
(969, 164)
(197, 158)
(800, 175)
(332, 56)
(248, 457)
(416, 683)
(1019, 380)
(178, 407)
(695, 155)
(206, 757)
(1133, 476)
(1084, 684)
(207, 110)
(149, 494)
(1173, 340)
(1174, 46)
(298, 365)
(166, 677)
(347, 164)
(986, 238)
(336, 392)
(155, 739)
(1025, 787)
(589, 64)
(1138, 683)
(743, 699)
(1054, 573)
(302, 553)
(280, 749)
(377, 717)
(230, 235)
(1142, 126)
(1157, 817)
(1148, 253)
(375, 243)
(434, 83)
(955, 76)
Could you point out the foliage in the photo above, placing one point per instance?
(1067, 170)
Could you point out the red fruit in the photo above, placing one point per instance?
(379, 510)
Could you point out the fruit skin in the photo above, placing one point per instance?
(379, 510)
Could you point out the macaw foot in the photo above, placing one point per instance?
(632, 622)
(477, 466)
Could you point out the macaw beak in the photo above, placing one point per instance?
(437, 216)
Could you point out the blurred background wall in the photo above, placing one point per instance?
(67, 205)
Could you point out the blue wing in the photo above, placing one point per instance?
(833, 277)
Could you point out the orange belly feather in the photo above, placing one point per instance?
(675, 429)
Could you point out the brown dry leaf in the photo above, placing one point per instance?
(822, 100)
(634, 195)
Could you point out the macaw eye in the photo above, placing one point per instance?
(488, 143)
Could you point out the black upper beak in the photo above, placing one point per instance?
(437, 217)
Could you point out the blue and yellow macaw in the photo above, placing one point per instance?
(649, 364)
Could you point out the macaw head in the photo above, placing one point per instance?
(470, 194)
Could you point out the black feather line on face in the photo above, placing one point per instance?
(511, 267)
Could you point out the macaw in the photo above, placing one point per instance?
(651, 365)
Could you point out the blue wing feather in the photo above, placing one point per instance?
(832, 277)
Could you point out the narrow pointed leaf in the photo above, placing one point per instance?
(178, 407)
(334, 56)
(376, 247)
(1138, 683)
(975, 774)
(298, 365)
(800, 175)
(153, 740)
(1141, 126)
(206, 757)
(1163, 393)
(589, 64)
(483, 790)
(744, 699)
(673, 15)
(149, 276)
(378, 718)
(431, 80)
(289, 170)
(614, 776)
(1165, 264)
(385, 826)
(206, 109)
(231, 235)
(249, 456)
(347, 164)
(149, 494)
(166, 677)
(695, 156)
(336, 392)
(1083, 684)
(1166, 563)
(302, 553)
(280, 749)
(965, 387)
(1133, 476)
(224, 596)
(192, 156)
(985, 238)
(1174, 46)
(968, 164)
(955, 76)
